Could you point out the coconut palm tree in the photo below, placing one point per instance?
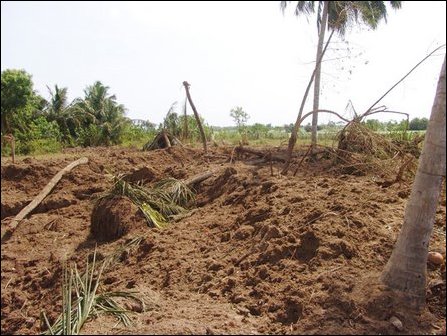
(336, 16)
(405, 271)
(113, 123)
(58, 109)
(100, 111)
(94, 102)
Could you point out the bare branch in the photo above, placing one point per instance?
(378, 100)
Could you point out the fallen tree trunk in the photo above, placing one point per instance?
(261, 153)
(198, 178)
(267, 155)
(39, 198)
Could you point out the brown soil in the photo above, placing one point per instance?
(260, 254)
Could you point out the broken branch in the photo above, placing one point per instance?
(39, 198)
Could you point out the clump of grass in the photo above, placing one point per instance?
(167, 198)
(81, 300)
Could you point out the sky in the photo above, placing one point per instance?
(246, 54)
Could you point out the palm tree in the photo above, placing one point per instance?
(94, 103)
(101, 111)
(113, 123)
(58, 109)
(337, 16)
(406, 268)
(58, 102)
(185, 120)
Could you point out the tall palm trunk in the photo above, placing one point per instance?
(185, 126)
(202, 133)
(318, 72)
(406, 268)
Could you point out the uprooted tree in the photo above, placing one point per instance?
(357, 118)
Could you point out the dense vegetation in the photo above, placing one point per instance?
(42, 125)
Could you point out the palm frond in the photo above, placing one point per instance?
(153, 216)
(87, 301)
(179, 192)
(166, 198)
(306, 7)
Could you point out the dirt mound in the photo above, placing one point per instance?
(145, 175)
(114, 217)
(260, 254)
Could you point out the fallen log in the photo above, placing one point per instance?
(39, 198)
(260, 153)
(198, 178)
(267, 155)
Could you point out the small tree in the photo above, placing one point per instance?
(417, 124)
(240, 118)
(16, 94)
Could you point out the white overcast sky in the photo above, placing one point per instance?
(244, 54)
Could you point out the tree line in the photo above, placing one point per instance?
(98, 119)
(93, 120)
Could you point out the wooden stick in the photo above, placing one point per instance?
(299, 164)
(166, 139)
(261, 153)
(408, 73)
(39, 198)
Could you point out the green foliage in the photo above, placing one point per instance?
(17, 100)
(374, 125)
(344, 14)
(82, 300)
(101, 117)
(193, 128)
(257, 131)
(172, 124)
(42, 137)
(41, 126)
(308, 128)
(240, 117)
(165, 199)
(89, 135)
(417, 124)
(58, 110)
(138, 134)
(38, 147)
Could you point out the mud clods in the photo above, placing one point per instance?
(113, 217)
(143, 175)
(308, 247)
(261, 254)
